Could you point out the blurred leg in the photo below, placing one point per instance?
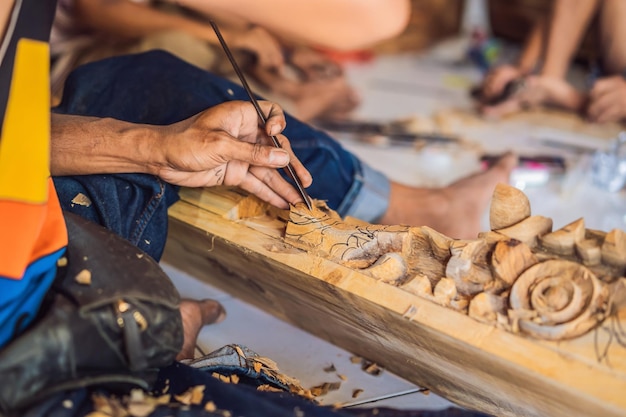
(613, 35)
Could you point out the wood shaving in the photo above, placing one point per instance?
(140, 404)
(62, 262)
(83, 277)
(267, 362)
(257, 366)
(325, 388)
(357, 392)
(193, 395)
(330, 368)
(108, 406)
(222, 378)
(371, 368)
(141, 409)
(139, 255)
(342, 377)
(239, 351)
(356, 359)
(82, 200)
(269, 388)
(210, 406)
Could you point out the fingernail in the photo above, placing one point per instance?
(274, 129)
(278, 157)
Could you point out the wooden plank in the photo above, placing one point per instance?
(477, 365)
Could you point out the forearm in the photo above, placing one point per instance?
(345, 24)
(534, 47)
(126, 19)
(568, 22)
(83, 145)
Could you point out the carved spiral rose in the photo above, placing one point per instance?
(557, 299)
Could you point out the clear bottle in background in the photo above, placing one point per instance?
(608, 167)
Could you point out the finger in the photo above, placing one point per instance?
(275, 117)
(303, 174)
(603, 86)
(609, 113)
(599, 105)
(277, 183)
(281, 196)
(495, 84)
(230, 150)
(493, 87)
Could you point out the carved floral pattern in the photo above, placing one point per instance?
(520, 276)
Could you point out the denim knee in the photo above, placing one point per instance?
(133, 206)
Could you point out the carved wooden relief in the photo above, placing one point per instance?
(521, 276)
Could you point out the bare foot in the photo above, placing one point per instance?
(332, 98)
(455, 210)
(539, 90)
(328, 97)
(197, 314)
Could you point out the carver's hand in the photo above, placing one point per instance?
(225, 145)
(607, 100)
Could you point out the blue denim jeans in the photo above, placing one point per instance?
(242, 399)
(158, 88)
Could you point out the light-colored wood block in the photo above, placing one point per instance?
(474, 362)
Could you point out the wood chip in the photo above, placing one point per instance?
(324, 388)
(342, 377)
(371, 368)
(330, 368)
(239, 351)
(83, 277)
(357, 392)
(210, 407)
(82, 200)
(269, 388)
(193, 395)
(356, 359)
(257, 366)
(62, 262)
(267, 362)
(141, 409)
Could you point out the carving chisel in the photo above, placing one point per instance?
(244, 83)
